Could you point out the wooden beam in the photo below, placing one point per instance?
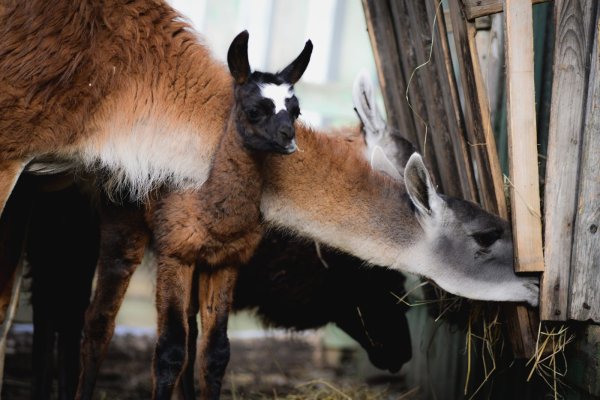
(584, 303)
(432, 88)
(403, 24)
(477, 114)
(521, 323)
(433, 93)
(574, 27)
(522, 137)
(450, 98)
(389, 70)
(480, 8)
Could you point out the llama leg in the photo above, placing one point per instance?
(42, 356)
(10, 170)
(123, 239)
(62, 247)
(172, 299)
(216, 297)
(13, 229)
(187, 387)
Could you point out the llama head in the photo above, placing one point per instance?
(265, 102)
(464, 249)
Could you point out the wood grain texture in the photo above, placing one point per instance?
(481, 140)
(584, 302)
(428, 89)
(490, 43)
(522, 137)
(479, 8)
(389, 70)
(574, 20)
(406, 51)
(520, 320)
(451, 101)
(433, 94)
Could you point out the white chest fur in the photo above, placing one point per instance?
(146, 154)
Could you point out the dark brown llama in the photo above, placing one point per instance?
(122, 88)
(217, 225)
(307, 294)
(329, 193)
(154, 114)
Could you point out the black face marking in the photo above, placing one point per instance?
(260, 125)
(266, 108)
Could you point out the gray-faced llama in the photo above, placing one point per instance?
(153, 115)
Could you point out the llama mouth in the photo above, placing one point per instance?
(290, 148)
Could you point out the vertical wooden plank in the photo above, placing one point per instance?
(477, 114)
(483, 148)
(522, 137)
(389, 70)
(427, 91)
(574, 21)
(404, 25)
(584, 302)
(451, 101)
(490, 46)
(433, 94)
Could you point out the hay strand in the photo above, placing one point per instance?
(549, 361)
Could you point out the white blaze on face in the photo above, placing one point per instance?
(277, 93)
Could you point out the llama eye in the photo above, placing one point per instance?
(253, 116)
(487, 238)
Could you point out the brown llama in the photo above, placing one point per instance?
(218, 225)
(329, 193)
(122, 227)
(326, 193)
(285, 283)
(224, 229)
(127, 89)
(121, 88)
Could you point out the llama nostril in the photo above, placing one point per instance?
(286, 131)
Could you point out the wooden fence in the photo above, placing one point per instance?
(445, 113)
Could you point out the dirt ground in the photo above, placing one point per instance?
(281, 367)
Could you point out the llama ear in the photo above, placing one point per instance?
(293, 72)
(237, 58)
(363, 97)
(419, 186)
(380, 162)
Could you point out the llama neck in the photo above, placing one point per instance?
(235, 181)
(234, 159)
(329, 193)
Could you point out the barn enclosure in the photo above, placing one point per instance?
(502, 94)
(502, 100)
